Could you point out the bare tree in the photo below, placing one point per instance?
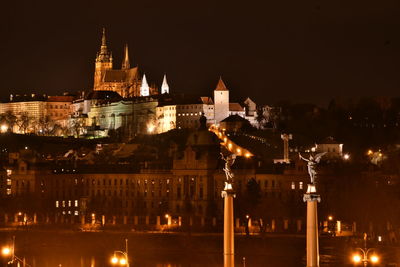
(23, 122)
(11, 120)
(77, 125)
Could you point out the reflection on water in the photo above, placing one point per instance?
(66, 261)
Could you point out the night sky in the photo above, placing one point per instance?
(268, 50)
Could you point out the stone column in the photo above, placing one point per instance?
(299, 225)
(169, 220)
(34, 218)
(135, 220)
(6, 218)
(125, 219)
(103, 220)
(179, 221)
(203, 221)
(147, 220)
(312, 199)
(237, 223)
(114, 220)
(214, 221)
(229, 242)
(82, 219)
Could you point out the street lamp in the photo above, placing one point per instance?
(357, 258)
(9, 251)
(124, 260)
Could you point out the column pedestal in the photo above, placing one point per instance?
(312, 199)
(229, 243)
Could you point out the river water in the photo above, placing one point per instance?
(53, 248)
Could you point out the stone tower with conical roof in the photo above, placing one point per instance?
(221, 101)
(103, 62)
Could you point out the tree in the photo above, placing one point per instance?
(77, 126)
(23, 122)
(10, 119)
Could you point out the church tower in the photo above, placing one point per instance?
(164, 86)
(125, 61)
(221, 101)
(144, 88)
(103, 63)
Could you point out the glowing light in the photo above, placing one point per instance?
(122, 261)
(114, 260)
(357, 258)
(225, 139)
(346, 156)
(330, 218)
(370, 152)
(150, 128)
(374, 259)
(238, 150)
(229, 145)
(247, 216)
(6, 251)
(247, 155)
(380, 154)
(3, 128)
(166, 216)
(19, 213)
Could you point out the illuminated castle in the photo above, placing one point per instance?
(125, 81)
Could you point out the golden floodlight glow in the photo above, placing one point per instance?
(357, 258)
(370, 152)
(374, 259)
(114, 260)
(247, 155)
(230, 145)
(3, 128)
(122, 261)
(238, 150)
(6, 251)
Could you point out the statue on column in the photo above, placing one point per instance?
(229, 160)
(312, 165)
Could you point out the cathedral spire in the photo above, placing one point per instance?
(104, 55)
(164, 86)
(144, 88)
(125, 62)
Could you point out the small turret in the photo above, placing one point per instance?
(144, 88)
(164, 86)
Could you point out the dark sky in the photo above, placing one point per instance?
(268, 50)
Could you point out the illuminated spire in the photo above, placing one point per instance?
(104, 55)
(164, 86)
(144, 88)
(125, 62)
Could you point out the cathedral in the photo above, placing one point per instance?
(125, 81)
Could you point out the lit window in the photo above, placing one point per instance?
(69, 203)
(293, 185)
(300, 185)
(76, 203)
(57, 204)
(76, 213)
(63, 203)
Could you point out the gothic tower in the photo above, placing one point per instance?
(221, 101)
(125, 61)
(103, 62)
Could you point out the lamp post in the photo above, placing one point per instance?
(124, 260)
(357, 258)
(228, 194)
(7, 251)
(364, 257)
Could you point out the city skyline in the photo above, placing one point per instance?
(310, 53)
